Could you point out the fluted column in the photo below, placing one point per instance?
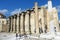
(14, 25)
(32, 22)
(8, 29)
(56, 23)
(27, 22)
(21, 24)
(37, 18)
(17, 23)
(43, 23)
(11, 24)
(48, 21)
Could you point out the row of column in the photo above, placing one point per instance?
(22, 23)
(26, 22)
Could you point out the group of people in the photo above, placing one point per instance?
(19, 35)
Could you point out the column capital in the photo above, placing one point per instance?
(27, 12)
(14, 16)
(22, 14)
(11, 17)
(17, 14)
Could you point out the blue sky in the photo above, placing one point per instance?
(9, 6)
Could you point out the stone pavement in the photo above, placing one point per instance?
(12, 36)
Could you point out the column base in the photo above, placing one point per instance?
(10, 31)
(27, 32)
(36, 35)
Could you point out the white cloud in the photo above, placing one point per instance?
(58, 8)
(16, 11)
(3, 11)
(45, 5)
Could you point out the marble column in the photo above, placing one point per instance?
(27, 22)
(37, 18)
(8, 25)
(14, 24)
(32, 22)
(48, 21)
(56, 24)
(17, 23)
(43, 23)
(11, 24)
(21, 24)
